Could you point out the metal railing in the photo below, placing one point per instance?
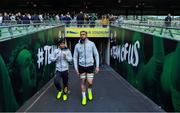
(160, 30)
(11, 31)
(70, 23)
(90, 23)
(162, 23)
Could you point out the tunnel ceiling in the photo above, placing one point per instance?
(158, 6)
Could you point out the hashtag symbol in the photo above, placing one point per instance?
(40, 57)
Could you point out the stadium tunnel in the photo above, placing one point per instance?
(139, 55)
(130, 62)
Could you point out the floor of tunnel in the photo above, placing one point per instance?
(111, 94)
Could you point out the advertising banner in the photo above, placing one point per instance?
(92, 32)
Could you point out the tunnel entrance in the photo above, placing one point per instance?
(102, 44)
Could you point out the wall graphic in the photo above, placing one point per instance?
(150, 63)
(24, 66)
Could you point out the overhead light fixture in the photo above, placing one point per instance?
(119, 1)
(34, 5)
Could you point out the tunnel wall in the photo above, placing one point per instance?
(24, 66)
(150, 63)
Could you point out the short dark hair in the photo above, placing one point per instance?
(84, 32)
(61, 41)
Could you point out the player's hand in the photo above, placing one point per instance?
(97, 70)
(64, 55)
(57, 55)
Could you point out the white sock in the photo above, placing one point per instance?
(89, 89)
(83, 94)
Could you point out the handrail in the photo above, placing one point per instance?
(9, 29)
(23, 25)
(151, 23)
(12, 31)
(166, 32)
(147, 25)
